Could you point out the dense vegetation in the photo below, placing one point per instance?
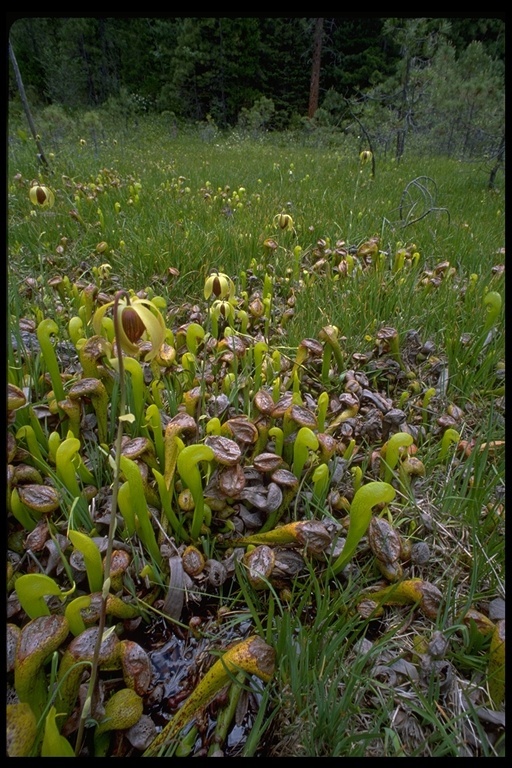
(436, 81)
(255, 395)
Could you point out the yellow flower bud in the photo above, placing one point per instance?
(284, 221)
(42, 196)
(220, 285)
(132, 324)
(222, 309)
(138, 318)
(104, 271)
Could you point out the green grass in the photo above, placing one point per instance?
(162, 211)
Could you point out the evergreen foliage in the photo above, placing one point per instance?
(438, 80)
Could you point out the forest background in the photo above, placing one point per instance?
(434, 85)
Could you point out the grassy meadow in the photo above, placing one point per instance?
(371, 307)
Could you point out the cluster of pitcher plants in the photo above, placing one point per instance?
(154, 459)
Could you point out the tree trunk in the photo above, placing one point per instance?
(499, 159)
(402, 108)
(314, 88)
(21, 89)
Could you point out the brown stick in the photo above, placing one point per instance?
(41, 156)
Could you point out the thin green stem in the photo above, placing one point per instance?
(110, 541)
